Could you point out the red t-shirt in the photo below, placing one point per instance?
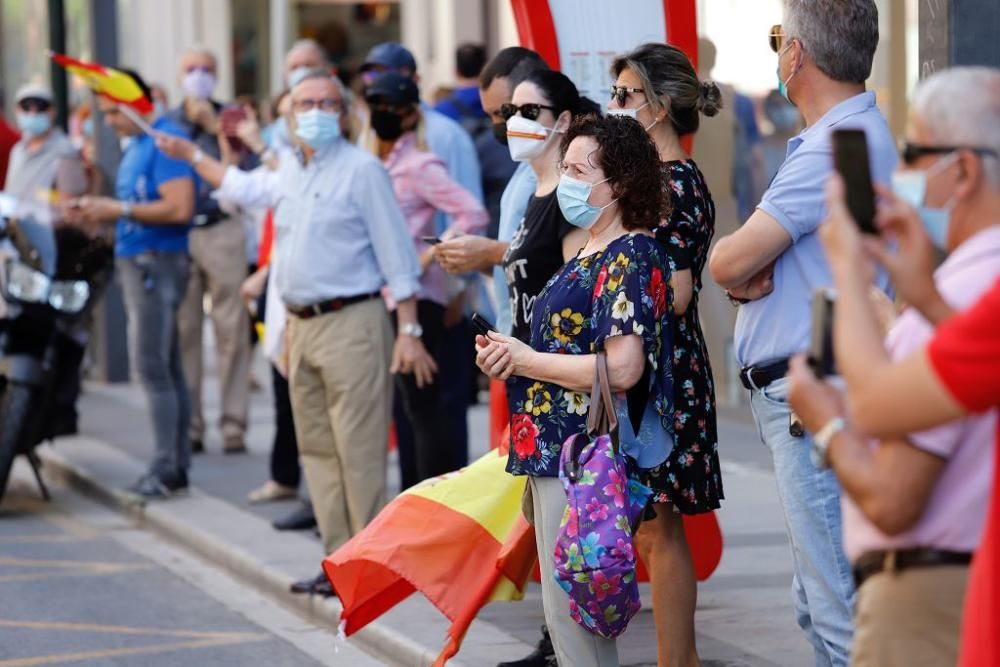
(965, 354)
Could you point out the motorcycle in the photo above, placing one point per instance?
(50, 278)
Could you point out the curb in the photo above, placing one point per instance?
(375, 638)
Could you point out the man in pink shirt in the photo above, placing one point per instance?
(915, 506)
(422, 187)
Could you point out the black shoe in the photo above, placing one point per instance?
(179, 484)
(197, 446)
(301, 519)
(318, 585)
(543, 655)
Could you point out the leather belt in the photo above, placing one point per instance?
(208, 219)
(874, 562)
(758, 377)
(331, 306)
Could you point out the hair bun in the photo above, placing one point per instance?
(709, 98)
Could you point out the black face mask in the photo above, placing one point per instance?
(388, 125)
(500, 132)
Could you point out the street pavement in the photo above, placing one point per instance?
(82, 585)
(744, 612)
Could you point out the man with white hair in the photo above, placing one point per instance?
(339, 238)
(772, 265)
(306, 55)
(913, 505)
(217, 245)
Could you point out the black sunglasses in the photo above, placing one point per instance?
(531, 111)
(621, 93)
(776, 38)
(910, 153)
(34, 104)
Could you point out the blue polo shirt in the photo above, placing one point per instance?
(143, 169)
(777, 326)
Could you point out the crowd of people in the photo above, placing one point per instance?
(360, 224)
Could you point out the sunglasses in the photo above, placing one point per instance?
(910, 153)
(621, 93)
(776, 38)
(34, 104)
(530, 111)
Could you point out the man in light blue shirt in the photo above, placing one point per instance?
(340, 239)
(772, 265)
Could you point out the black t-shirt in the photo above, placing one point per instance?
(534, 255)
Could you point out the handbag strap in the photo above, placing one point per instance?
(602, 417)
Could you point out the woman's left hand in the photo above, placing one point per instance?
(501, 356)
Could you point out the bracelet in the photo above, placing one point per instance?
(197, 157)
(821, 441)
(735, 301)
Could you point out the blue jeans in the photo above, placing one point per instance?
(153, 285)
(822, 585)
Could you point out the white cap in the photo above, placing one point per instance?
(33, 90)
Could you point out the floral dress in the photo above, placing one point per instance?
(618, 291)
(690, 479)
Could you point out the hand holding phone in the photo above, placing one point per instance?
(430, 240)
(229, 119)
(850, 159)
(821, 357)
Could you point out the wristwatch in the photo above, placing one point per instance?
(821, 441)
(197, 156)
(412, 329)
(126, 208)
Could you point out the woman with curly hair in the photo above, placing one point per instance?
(657, 86)
(613, 296)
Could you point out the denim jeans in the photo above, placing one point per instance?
(822, 585)
(153, 285)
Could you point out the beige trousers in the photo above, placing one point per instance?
(218, 268)
(910, 619)
(341, 394)
(574, 646)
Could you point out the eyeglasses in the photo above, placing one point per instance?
(325, 104)
(621, 93)
(531, 111)
(776, 38)
(34, 104)
(910, 153)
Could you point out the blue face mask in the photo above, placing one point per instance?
(911, 187)
(88, 128)
(573, 195)
(33, 124)
(317, 128)
(782, 83)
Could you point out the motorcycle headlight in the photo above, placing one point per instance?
(25, 284)
(69, 296)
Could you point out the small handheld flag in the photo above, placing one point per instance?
(111, 83)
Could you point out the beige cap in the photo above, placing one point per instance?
(33, 90)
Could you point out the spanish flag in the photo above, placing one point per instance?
(462, 542)
(113, 84)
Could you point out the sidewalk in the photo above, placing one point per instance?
(744, 614)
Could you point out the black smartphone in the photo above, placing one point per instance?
(430, 240)
(481, 324)
(821, 344)
(850, 159)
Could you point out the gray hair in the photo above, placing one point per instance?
(345, 95)
(975, 122)
(203, 51)
(311, 45)
(840, 35)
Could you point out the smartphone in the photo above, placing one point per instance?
(229, 118)
(821, 343)
(430, 240)
(850, 159)
(481, 324)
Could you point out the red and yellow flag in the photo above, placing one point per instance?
(111, 83)
(461, 541)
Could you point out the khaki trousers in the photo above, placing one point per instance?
(218, 268)
(341, 394)
(574, 646)
(910, 619)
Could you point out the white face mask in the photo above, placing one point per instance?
(527, 139)
(632, 113)
(198, 84)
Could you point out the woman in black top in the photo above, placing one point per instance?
(657, 85)
(542, 107)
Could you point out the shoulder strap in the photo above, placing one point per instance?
(602, 417)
